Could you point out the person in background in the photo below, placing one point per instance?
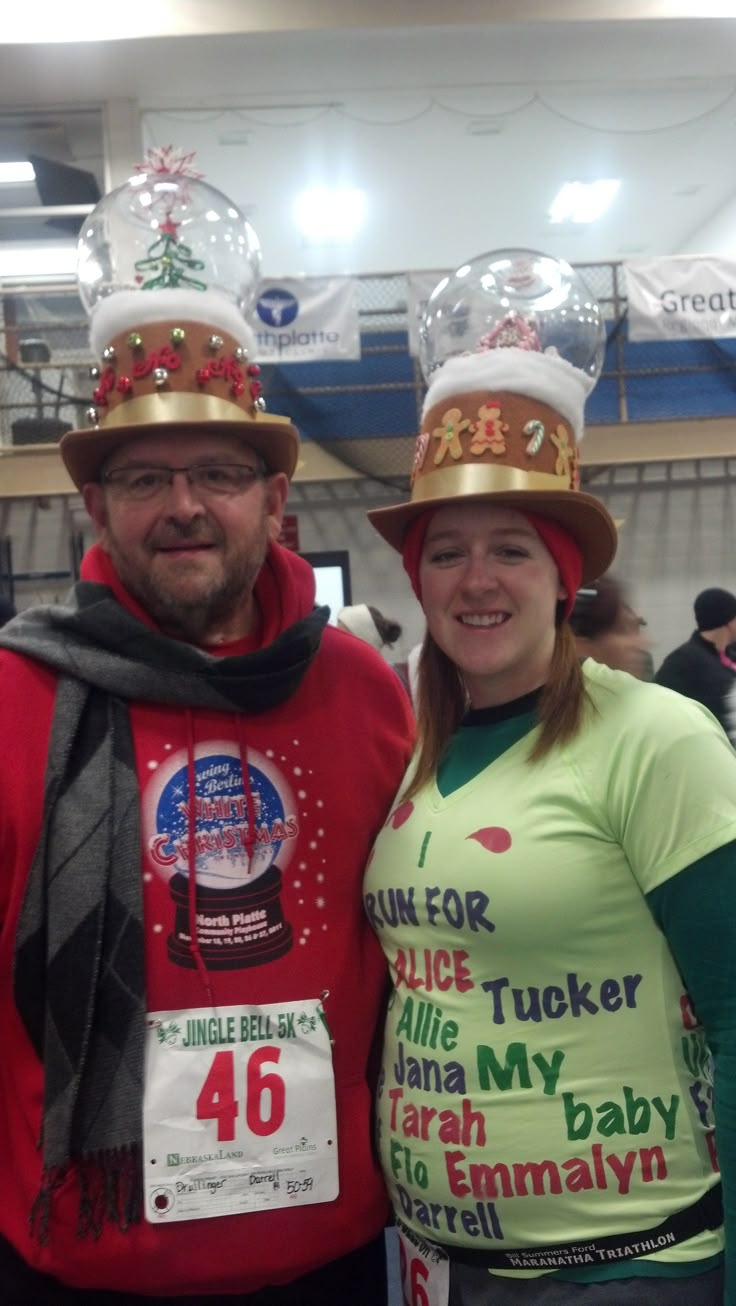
(553, 889)
(7, 610)
(189, 789)
(369, 624)
(696, 668)
(607, 629)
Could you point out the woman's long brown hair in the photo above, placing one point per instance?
(442, 702)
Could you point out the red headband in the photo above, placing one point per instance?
(563, 548)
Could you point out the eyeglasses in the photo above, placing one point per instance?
(141, 483)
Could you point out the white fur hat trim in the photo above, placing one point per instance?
(545, 377)
(129, 310)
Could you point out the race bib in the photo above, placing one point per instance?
(425, 1271)
(238, 1111)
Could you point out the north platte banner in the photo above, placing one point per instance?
(302, 320)
(681, 298)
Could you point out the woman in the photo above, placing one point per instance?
(607, 629)
(554, 893)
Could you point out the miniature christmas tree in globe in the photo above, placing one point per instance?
(167, 229)
(168, 268)
(170, 259)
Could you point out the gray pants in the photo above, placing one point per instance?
(470, 1286)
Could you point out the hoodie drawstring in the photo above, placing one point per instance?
(250, 840)
(250, 806)
(192, 860)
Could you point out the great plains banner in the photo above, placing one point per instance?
(681, 298)
(304, 320)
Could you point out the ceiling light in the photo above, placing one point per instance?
(582, 201)
(329, 216)
(13, 173)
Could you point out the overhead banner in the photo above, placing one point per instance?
(304, 320)
(421, 285)
(681, 298)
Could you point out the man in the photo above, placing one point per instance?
(696, 668)
(189, 990)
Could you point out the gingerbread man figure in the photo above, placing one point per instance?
(490, 431)
(448, 435)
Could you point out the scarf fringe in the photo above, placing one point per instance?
(110, 1188)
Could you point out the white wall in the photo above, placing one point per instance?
(718, 236)
(678, 537)
(452, 170)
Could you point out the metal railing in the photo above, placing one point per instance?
(360, 411)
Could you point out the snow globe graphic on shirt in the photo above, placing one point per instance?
(239, 919)
(168, 267)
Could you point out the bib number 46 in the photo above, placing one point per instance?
(425, 1273)
(414, 1275)
(265, 1095)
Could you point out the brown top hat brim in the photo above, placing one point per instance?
(273, 437)
(585, 518)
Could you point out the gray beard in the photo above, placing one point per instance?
(193, 620)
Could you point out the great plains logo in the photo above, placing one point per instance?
(277, 307)
(302, 1145)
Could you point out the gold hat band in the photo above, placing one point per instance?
(184, 408)
(468, 479)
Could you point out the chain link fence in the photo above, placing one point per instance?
(44, 365)
(365, 412)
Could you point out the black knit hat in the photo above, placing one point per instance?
(714, 608)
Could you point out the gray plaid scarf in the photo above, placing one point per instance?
(79, 958)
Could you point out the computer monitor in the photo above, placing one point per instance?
(332, 573)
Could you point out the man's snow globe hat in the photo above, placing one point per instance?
(168, 267)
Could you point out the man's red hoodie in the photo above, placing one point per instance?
(322, 768)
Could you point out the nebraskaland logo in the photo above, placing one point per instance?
(277, 307)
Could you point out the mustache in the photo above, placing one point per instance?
(173, 537)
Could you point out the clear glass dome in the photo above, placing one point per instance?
(513, 297)
(167, 231)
